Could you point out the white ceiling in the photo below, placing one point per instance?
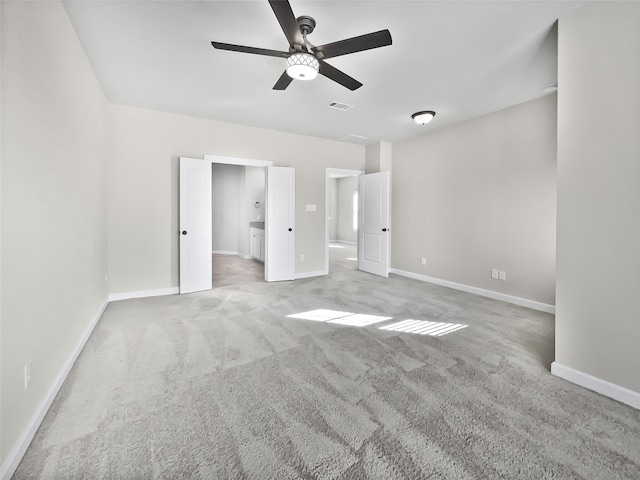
(460, 58)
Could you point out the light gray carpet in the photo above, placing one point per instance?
(223, 385)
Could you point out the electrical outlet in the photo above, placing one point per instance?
(502, 275)
(302, 258)
(424, 260)
(27, 374)
(494, 273)
(106, 278)
(259, 216)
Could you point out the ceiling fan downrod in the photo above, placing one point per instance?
(306, 24)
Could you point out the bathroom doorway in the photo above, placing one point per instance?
(238, 213)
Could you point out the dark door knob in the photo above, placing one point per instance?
(384, 229)
(184, 232)
(291, 229)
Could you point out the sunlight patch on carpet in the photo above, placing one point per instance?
(320, 315)
(360, 320)
(435, 329)
(343, 318)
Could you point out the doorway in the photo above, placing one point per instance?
(279, 217)
(238, 213)
(341, 220)
(195, 221)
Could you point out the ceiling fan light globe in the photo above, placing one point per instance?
(302, 66)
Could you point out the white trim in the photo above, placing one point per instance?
(608, 389)
(249, 162)
(318, 273)
(14, 457)
(346, 242)
(114, 297)
(523, 302)
(224, 252)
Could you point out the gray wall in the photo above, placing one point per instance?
(481, 195)
(144, 147)
(226, 199)
(54, 208)
(598, 277)
(346, 186)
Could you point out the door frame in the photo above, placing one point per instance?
(333, 173)
(246, 162)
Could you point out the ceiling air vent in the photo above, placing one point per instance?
(340, 106)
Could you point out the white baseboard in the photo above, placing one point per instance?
(523, 302)
(18, 450)
(318, 273)
(345, 242)
(114, 297)
(225, 252)
(229, 252)
(608, 389)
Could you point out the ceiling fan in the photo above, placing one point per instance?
(305, 61)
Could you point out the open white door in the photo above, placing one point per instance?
(195, 225)
(280, 224)
(373, 219)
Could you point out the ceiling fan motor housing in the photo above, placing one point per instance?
(306, 23)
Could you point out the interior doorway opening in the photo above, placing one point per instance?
(196, 225)
(341, 221)
(239, 203)
(238, 224)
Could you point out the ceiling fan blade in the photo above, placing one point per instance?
(355, 44)
(283, 82)
(257, 51)
(287, 20)
(338, 76)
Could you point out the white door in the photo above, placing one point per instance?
(280, 224)
(373, 220)
(195, 225)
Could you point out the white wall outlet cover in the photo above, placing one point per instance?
(494, 273)
(502, 275)
(311, 208)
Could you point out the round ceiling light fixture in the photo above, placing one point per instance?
(302, 66)
(422, 118)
